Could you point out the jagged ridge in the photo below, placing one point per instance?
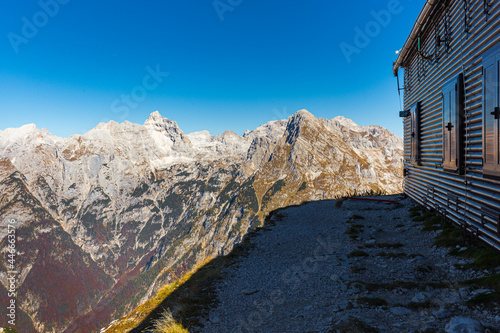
(144, 203)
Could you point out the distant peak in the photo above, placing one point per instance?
(156, 119)
(304, 113)
(301, 115)
(155, 115)
(28, 127)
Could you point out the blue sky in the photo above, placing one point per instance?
(67, 65)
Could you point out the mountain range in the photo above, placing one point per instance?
(104, 219)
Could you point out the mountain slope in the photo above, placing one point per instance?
(136, 206)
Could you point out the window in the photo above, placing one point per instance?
(453, 111)
(415, 134)
(491, 113)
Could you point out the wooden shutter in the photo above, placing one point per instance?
(415, 134)
(491, 115)
(453, 124)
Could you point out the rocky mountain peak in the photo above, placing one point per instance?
(156, 122)
(296, 122)
(304, 114)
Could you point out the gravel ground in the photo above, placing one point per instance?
(301, 275)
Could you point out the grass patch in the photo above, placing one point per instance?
(339, 202)
(424, 269)
(353, 325)
(141, 313)
(354, 231)
(431, 221)
(357, 254)
(492, 298)
(450, 237)
(357, 269)
(489, 282)
(402, 284)
(391, 254)
(7, 329)
(492, 282)
(385, 245)
(415, 306)
(372, 301)
(167, 324)
(415, 211)
(195, 293)
(389, 245)
(483, 257)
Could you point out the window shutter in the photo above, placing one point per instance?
(453, 110)
(415, 134)
(491, 115)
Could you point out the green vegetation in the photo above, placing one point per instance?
(489, 282)
(357, 253)
(391, 254)
(451, 236)
(275, 188)
(385, 245)
(421, 305)
(225, 194)
(431, 221)
(424, 269)
(353, 325)
(302, 187)
(372, 301)
(354, 230)
(485, 299)
(483, 258)
(247, 196)
(357, 269)
(402, 284)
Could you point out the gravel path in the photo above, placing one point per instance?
(302, 275)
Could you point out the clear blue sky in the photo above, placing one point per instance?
(68, 67)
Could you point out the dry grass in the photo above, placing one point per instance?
(167, 324)
(128, 322)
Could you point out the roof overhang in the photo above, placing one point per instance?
(419, 25)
